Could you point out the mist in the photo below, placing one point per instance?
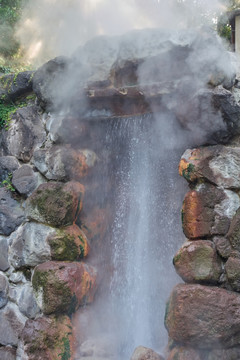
(49, 28)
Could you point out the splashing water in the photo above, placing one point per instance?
(145, 235)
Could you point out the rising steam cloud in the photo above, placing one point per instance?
(50, 28)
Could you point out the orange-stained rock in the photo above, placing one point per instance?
(207, 211)
(95, 224)
(217, 164)
(184, 353)
(56, 203)
(61, 287)
(204, 317)
(47, 338)
(197, 261)
(69, 243)
(63, 163)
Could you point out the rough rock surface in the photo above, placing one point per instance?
(13, 86)
(197, 261)
(46, 338)
(203, 317)
(143, 353)
(29, 246)
(68, 244)
(11, 214)
(27, 302)
(11, 324)
(232, 269)
(63, 287)
(4, 265)
(217, 164)
(64, 163)
(8, 164)
(207, 211)
(25, 180)
(8, 353)
(4, 286)
(233, 234)
(183, 353)
(96, 349)
(224, 354)
(223, 246)
(55, 203)
(26, 132)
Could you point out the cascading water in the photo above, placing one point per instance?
(145, 234)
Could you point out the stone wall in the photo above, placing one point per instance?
(202, 315)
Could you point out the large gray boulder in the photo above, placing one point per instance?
(11, 324)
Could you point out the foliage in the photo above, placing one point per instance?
(225, 31)
(6, 111)
(7, 183)
(10, 12)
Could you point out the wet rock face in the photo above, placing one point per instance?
(203, 317)
(184, 353)
(11, 215)
(208, 211)
(64, 163)
(217, 164)
(197, 261)
(63, 287)
(55, 203)
(46, 338)
(143, 353)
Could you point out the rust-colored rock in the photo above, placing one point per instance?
(184, 353)
(69, 243)
(203, 317)
(197, 261)
(55, 203)
(46, 338)
(207, 211)
(63, 287)
(218, 164)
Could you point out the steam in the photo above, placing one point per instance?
(49, 28)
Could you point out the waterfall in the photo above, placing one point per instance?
(146, 232)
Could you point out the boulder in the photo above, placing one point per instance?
(203, 317)
(27, 302)
(64, 163)
(29, 246)
(11, 213)
(97, 348)
(25, 133)
(8, 164)
(232, 268)
(63, 287)
(55, 203)
(68, 243)
(25, 180)
(4, 286)
(207, 211)
(184, 353)
(46, 338)
(11, 324)
(44, 80)
(8, 353)
(4, 265)
(143, 353)
(197, 261)
(224, 354)
(217, 164)
(223, 246)
(15, 85)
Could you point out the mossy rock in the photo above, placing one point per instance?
(55, 203)
(61, 287)
(68, 244)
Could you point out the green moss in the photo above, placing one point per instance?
(73, 305)
(63, 247)
(188, 171)
(6, 112)
(66, 354)
(7, 183)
